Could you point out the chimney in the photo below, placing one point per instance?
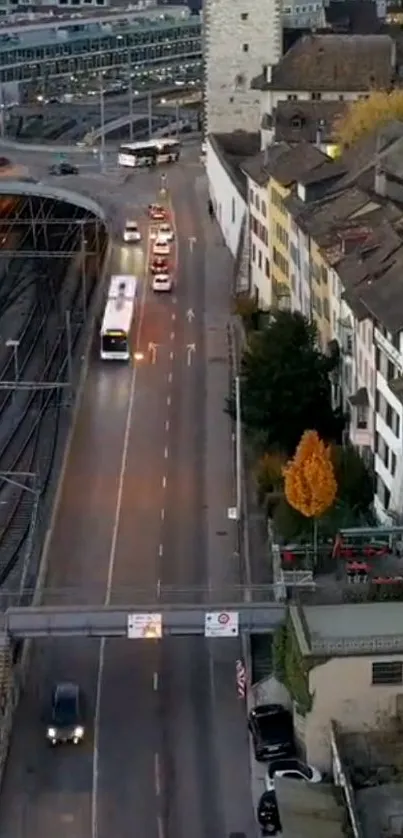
(268, 69)
(319, 132)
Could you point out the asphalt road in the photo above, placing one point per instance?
(166, 748)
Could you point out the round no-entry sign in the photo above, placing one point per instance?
(223, 618)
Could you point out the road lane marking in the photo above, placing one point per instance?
(173, 316)
(171, 356)
(168, 401)
(166, 453)
(157, 774)
(112, 558)
(160, 827)
(160, 550)
(164, 482)
(155, 681)
(162, 514)
(158, 588)
(167, 424)
(170, 378)
(172, 335)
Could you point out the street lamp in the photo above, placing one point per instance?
(14, 344)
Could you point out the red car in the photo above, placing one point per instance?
(156, 212)
(159, 265)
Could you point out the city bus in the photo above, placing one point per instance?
(149, 153)
(118, 318)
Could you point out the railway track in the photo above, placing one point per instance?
(31, 418)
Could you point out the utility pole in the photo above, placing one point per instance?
(177, 114)
(69, 348)
(14, 345)
(3, 112)
(83, 273)
(130, 103)
(238, 442)
(150, 114)
(102, 115)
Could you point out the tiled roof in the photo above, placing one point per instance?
(334, 62)
(296, 122)
(232, 150)
(259, 168)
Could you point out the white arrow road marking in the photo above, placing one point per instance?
(190, 315)
(191, 348)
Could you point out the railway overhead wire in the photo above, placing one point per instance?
(32, 420)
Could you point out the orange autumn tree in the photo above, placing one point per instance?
(309, 481)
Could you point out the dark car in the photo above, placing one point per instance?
(159, 265)
(4, 162)
(63, 169)
(66, 722)
(267, 814)
(272, 731)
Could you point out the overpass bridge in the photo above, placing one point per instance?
(217, 619)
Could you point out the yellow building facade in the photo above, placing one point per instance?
(320, 293)
(279, 221)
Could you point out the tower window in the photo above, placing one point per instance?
(244, 16)
(245, 47)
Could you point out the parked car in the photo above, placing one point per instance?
(272, 731)
(268, 815)
(292, 768)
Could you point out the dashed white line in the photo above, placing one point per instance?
(168, 400)
(155, 681)
(166, 453)
(167, 425)
(160, 550)
(160, 827)
(173, 316)
(162, 514)
(157, 774)
(170, 378)
(171, 356)
(164, 482)
(172, 335)
(158, 588)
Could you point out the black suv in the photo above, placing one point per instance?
(66, 715)
(272, 731)
(63, 169)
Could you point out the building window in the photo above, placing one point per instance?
(393, 463)
(233, 210)
(267, 268)
(251, 196)
(326, 310)
(316, 96)
(387, 672)
(253, 253)
(257, 202)
(245, 47)
(244, 16)
(263, 209)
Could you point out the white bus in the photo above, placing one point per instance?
(149, 153)
(118, 319)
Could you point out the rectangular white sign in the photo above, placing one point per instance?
(144, 626)
(221, 624)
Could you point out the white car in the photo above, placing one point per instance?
(162, 282)
(166, 232)
(293, 768)
(131, 232)
(161, 247)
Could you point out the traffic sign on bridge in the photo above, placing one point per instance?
(221, 624)
(144, 626)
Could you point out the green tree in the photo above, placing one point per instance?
(285, 385)
(354, 480)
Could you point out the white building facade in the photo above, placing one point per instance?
(239, 38)
(388, 425)
(300, 273)
(259, 243)
(230, 206)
